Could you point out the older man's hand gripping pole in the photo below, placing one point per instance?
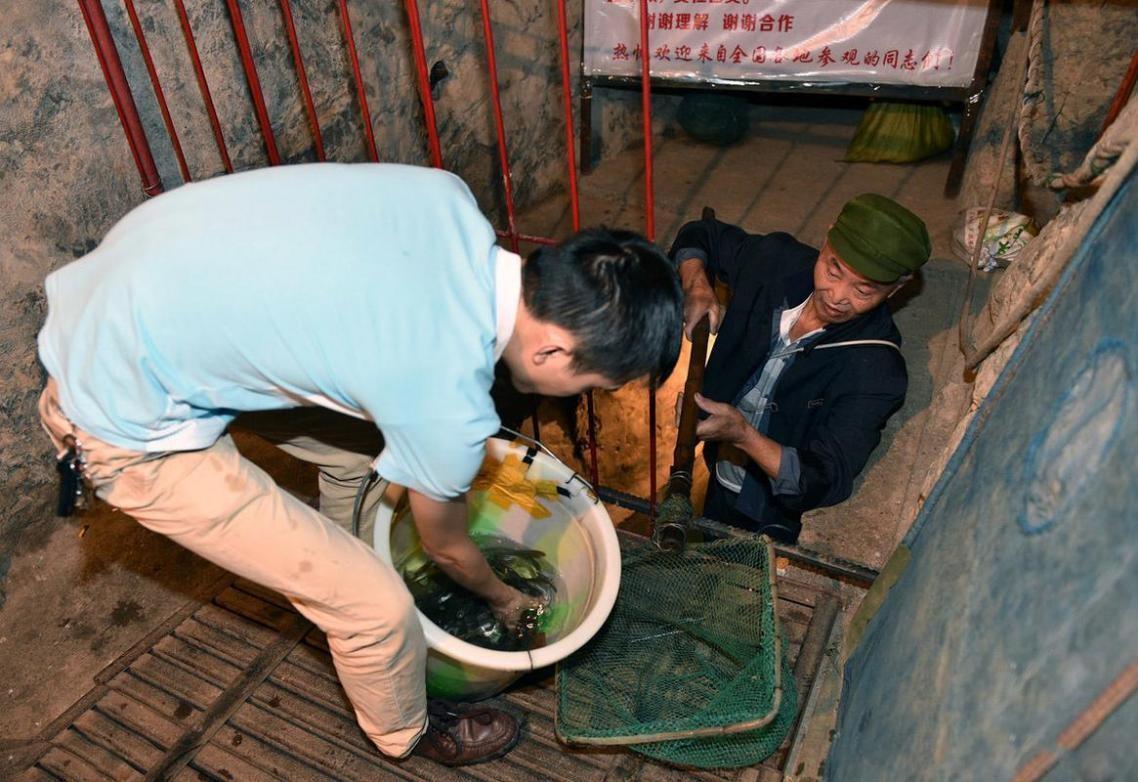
(699, 297)
(442, 529)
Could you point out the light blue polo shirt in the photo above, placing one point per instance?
(373, 289)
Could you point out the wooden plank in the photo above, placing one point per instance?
(316, 688)
(235, 651)
(240, 628)
(216, 764)
(70, 767)
(99, 729)
(36, 774)
(262, 593)
(232, 699)
(535, 701)
(140, 718)
(794, 591)
(317, 639)
(793, 632)
(111, 765)
(315, 661)
(221, 759)
(518, 768)
(177, 710)
(793, 612)
(176, 680)
(254, 608)
(335, 725)
(535, 759)
(539, 752)
(343, 763)
(194, 660)
(653, 771)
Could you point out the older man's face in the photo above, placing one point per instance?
(840, 293)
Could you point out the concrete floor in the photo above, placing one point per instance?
(82, 591)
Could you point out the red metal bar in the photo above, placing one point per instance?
(159, 94)
(250, 68)
(1122, 96)
(646, 110)
(420, 53)
(574, 197)
(203, 85)
(294, 44)
(649, 226)
(361, 92)
(594, 472)
(567, 102)
(111, 65)
(503, 158)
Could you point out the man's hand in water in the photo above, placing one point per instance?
(510, 608)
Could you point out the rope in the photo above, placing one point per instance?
(1102, 155)
(1034, 95)
(966, 332)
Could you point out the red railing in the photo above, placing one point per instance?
(117, 83)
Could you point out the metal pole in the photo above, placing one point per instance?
(420, 54)
(113, 73)
(159, 94)
(650, 229)
(361, 93)
(250, 68)
(203, 85)
(302, 76)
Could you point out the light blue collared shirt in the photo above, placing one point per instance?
(373, 289)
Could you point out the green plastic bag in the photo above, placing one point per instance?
(900, 133)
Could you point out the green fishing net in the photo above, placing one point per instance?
(690, 668)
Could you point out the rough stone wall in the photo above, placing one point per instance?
(1084, 49)
(66, 173)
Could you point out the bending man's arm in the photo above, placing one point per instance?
(442, 528)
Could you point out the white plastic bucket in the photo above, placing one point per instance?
(527, 496)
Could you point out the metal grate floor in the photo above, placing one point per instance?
(242, 688)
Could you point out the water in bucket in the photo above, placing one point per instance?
(465, 615)
(529, 498)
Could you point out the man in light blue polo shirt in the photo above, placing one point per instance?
(372, 291)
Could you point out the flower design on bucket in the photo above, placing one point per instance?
(505, 484)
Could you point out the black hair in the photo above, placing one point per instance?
(617, 294)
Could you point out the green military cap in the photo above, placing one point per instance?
(880, 239)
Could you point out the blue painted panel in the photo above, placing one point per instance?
(1020, 603)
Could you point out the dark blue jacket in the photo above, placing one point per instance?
(830, 404)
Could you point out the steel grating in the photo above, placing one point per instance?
(242, 688)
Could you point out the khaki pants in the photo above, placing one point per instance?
(224, 508)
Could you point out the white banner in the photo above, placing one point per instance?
(927, 43)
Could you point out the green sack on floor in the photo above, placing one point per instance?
(900, 133)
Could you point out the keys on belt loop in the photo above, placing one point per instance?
(71, 466)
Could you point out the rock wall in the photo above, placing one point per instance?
(66, 173)
(1081, 53)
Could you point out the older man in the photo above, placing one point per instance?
(807, 366)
